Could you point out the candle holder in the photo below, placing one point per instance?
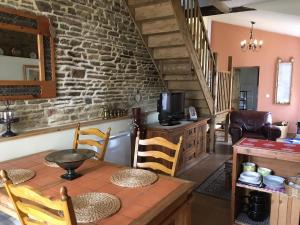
(7, 118)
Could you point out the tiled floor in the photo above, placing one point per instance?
(208, 210)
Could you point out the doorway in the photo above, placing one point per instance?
(245, 88)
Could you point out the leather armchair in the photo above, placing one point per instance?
(252, 124)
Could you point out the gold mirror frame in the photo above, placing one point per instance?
(43, 29)
(284, 81)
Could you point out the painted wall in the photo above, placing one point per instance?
(61, 139)
(226, 40)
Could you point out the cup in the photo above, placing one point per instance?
(249, 166)
(264, 171)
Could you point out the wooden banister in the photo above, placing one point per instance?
(191, 25)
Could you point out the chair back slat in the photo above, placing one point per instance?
(28, 221)
(155, 166)
(34, 209)
(162, 142)
(157, 155)
(28, 193)
(39, 214)
(101, 147)
(93, 131)
(159, 141)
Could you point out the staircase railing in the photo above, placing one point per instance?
(223, 98)
(218, 83)
(200, 40)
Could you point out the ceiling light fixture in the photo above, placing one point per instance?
(252, 44)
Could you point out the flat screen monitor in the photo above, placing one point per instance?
(171, 108)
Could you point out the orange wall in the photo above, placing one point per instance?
(226, 40)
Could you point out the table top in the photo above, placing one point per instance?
(269, 149)
(139, 205)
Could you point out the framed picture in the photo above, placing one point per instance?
(284, 76)
(31, 72)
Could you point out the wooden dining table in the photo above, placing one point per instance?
(166, 201)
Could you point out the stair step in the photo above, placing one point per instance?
(170, 53)
(196, 103)
(176, 67)
(159, 26)
(194, 95)
(163, 40)
(185, 77)
(137, 3)
(154, 11)
(203, 111)
(184, 85)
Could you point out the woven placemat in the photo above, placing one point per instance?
(50, 164)
(18, 176)
(93, 206)
(133, 178)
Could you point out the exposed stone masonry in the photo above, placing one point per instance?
(100, 61)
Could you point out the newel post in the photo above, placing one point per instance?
(212, 124)
(230, 69)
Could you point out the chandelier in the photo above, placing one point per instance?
(252, 44)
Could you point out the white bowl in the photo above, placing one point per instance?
(250, 177)
(274, 181)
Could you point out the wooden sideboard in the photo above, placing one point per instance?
(284, 160)
(194, 140)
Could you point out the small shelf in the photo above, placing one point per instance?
(258, 188)
(243, 219)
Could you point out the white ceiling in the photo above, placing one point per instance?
(271, 15)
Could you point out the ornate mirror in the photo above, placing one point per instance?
(284, 81)
(27, 59)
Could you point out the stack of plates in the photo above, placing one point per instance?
(274, 182)
(252, 178)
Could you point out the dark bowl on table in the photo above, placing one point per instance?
(70, 160)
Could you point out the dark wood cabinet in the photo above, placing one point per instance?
(194, 140)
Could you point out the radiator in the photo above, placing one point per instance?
(119, 149)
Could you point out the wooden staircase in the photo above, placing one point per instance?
(174, 33)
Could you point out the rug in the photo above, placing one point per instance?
(214, 185)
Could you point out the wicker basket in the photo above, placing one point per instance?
(292, 191)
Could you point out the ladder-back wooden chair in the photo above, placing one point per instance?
(34, 209)
(101, 147)
(157, 154)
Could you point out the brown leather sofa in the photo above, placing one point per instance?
(252, 124)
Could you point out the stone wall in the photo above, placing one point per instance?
(100, 61)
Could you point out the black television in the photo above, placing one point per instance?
(171, 108)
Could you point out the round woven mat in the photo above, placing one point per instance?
(90, 207)
(133, 178)
(18, 176)
(50, 164)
